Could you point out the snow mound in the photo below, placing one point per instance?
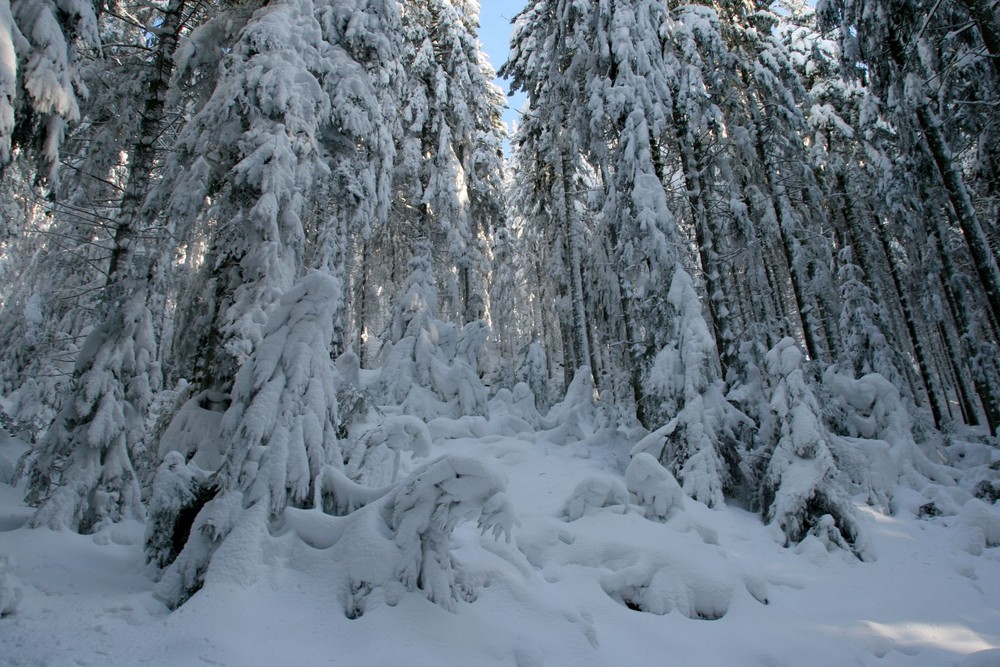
(653, 487)
(194, 430)
(662, 584)
(979, 526)
(401, 541)
(11, 590)
(593, 494)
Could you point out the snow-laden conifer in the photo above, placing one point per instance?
(800, 482)
(278, 433)
(430, 367)
(82, 473)
(40, 86)
(698, 443)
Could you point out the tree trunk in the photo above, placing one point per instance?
(143, 152)
(936, 145)
(934, 397)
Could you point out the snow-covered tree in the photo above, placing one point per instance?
(546, 62)
(450, 157)
(431, 367)
(293, 139)
(277, 435)
(800, 483)
(40, 88)
(82, 474)
(698, 443)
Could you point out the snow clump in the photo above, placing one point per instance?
(653, 487)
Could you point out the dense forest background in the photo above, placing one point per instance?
(251, 249)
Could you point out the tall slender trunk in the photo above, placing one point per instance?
(777, 195)
(574, 255)
(936, 145)
(142, 155)
(959, 308)
(934, 396)
(692, 155)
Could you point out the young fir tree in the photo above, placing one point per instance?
(430, 367)
(79, 485)
(278, 434)
(801, 491)
(698, 445)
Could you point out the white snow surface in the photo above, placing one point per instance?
(597, 585)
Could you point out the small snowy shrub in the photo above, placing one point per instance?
(400, 540)
(592, 494)
(353, 400)
(427, 508)
(374, 458)
(534, 373)
(575, 416)
(653, 487)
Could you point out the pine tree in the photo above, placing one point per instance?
(800, 489)
(279, 431)
(698, 443)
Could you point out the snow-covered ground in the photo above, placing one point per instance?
(612, 587)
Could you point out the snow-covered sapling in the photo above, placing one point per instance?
(399, 540)
(652, 487)
(594, 493)
(801, 481)
(698, 444)
(395, 435)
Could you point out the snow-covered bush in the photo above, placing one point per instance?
(400, 541)
(575, 417)
(652, 487)
(426, 508)
(872, 413)
(429, 367)
(535, 373)
(354, 401)
(594, 493)
(373, 459)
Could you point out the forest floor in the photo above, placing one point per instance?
(558, 593)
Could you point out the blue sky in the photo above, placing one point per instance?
(494, 33)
